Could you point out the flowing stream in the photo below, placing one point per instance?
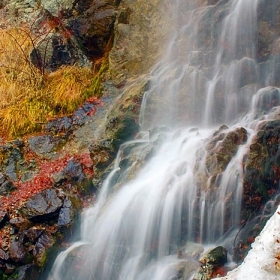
(208, 77)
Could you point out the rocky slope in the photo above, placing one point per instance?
(46, 179)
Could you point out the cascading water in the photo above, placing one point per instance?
(207, 77)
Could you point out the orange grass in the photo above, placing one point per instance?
(29, 96)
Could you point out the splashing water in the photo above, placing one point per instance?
(208, 77)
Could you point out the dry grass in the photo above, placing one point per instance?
(28, 96)
(67, 86)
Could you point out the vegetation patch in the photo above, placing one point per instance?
(30, 96)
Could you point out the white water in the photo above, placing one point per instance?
(136, 231)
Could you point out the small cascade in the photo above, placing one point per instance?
(198, 118)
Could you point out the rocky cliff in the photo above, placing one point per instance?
(47, 178)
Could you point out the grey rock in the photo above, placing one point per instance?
(44, 205)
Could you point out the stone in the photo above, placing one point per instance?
(45, 205)
(66, 213)
(3, 255)
(74, 171)
(32, 234)
(44, 145)
(6, 186)
(3, 218)
(9, 268)
(59, 125)
(81, 115)
(40, 250)
(17, 252)
(210, 261)
(28, 272)
(216, 256)
(193, 249)
(20, 223)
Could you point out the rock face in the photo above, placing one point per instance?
(68, 32)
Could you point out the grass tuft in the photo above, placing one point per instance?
(29, 96)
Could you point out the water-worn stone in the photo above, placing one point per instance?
(216, 256)
(45, 205)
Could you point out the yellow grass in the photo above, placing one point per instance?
(28, 97)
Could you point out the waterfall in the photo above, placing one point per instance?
(207, 78)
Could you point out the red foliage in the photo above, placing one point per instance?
(91, 112)
(95, 100)
(42, 180)
(86, 162)
(251, 239)
(220, 271)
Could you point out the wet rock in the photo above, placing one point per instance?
(216, 256)
(101, 153)
(185, 270)
(267, 31)
(45, 205)
(220, 149)
(73, 173)
(262, 167)
(28, 272)
(17, 252)
(193, 249)
(126, 129)
(134, 156)
(40, 252)
(59, 178)
(267, 98)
